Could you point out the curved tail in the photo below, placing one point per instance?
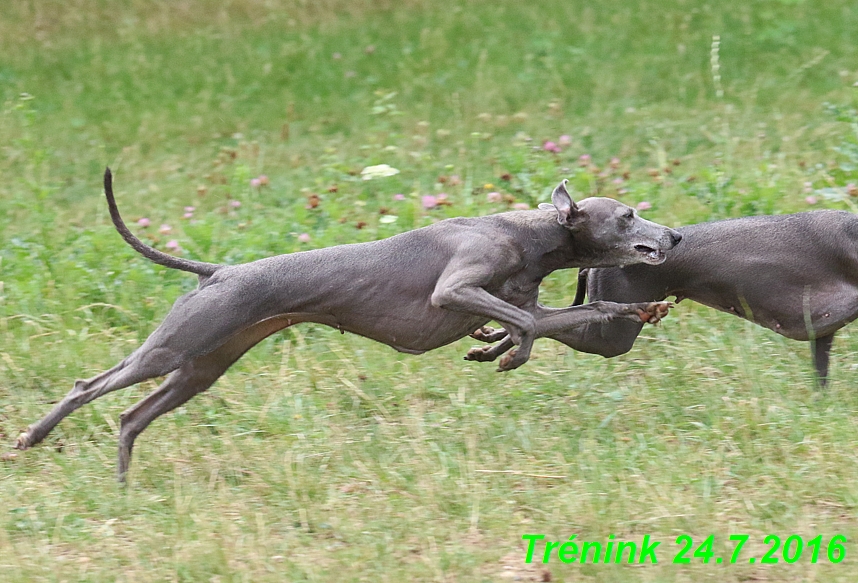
(150, 253)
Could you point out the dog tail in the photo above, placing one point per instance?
(200, 268)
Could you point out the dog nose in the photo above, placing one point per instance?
(676, 237)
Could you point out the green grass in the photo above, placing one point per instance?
(322, 457)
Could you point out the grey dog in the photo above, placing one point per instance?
(794, 274)
(414, 292)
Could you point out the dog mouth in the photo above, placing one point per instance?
(650, 255)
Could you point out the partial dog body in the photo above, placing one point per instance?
(414, 292)
(794, 274)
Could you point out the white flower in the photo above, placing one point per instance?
(379, 171)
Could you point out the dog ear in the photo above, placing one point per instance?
(566, 207)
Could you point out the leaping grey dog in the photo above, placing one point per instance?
(794, 274)
(414, 292)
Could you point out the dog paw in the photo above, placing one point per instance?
(487, 334)
(481, 354)
(653, 312)
(512, 360)
(505, 361)
(23, 441)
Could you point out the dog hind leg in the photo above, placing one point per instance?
(191, 379)
(820, 351)
(198, 323)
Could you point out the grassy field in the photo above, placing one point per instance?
(322, 457)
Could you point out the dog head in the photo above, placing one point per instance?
(608, 233)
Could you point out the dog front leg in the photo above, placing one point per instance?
(191, 379)
(520, 324)
(605, 328)
(820, 351)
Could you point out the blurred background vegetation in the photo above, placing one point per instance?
(239, 129)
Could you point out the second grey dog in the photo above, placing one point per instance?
(794, 274)
(414, 292)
